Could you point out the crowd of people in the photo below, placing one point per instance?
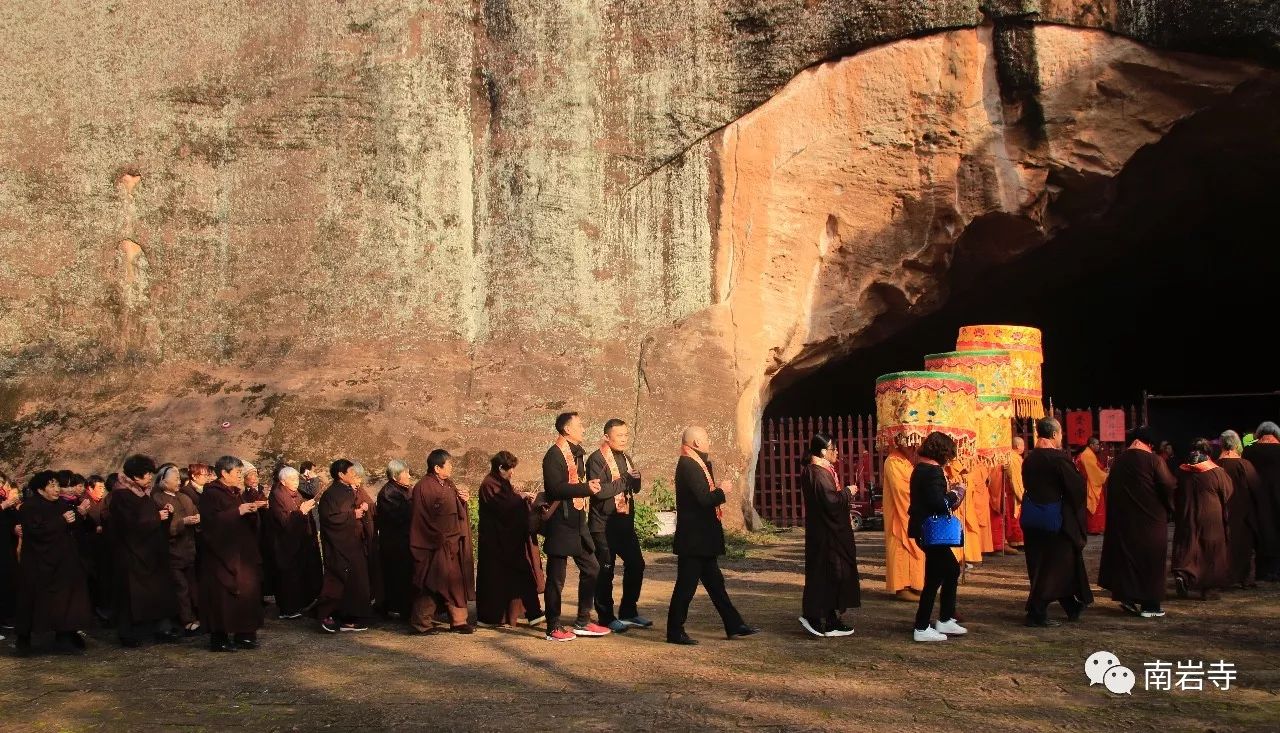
(163, 552)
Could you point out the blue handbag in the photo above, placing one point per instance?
(941, 530)
(1042, 517)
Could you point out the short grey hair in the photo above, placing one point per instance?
(395, 467)
(226, 464)
(1230, 440)
(287, 472)
(1267, 428)
(359, 467)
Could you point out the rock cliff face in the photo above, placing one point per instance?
(351, 229)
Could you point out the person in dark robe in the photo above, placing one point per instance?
(369, 535)
(612, 523)
(1264, 454)
(831, 583)
(566, 488)
(1055, 560)
(1241, 510)
(392, 520)
(699, 540)
(97, 548)
(10, 498)
(509, 575)
(440, 542)
(1135, 542)
(255, 491)
(344, 601)
(231, 577)
(294, 547)
(52, 587)
(139, 531)
(1201, 554)
(166, 491)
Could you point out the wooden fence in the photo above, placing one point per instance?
(784, 442)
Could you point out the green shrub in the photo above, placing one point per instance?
(659, 496)
(646, 521)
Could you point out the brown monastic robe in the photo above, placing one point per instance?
(143, 586)
(345, 587)
(1135, 541)
(1241, 516)
(53, 594)
(393, 517)
(372, 547)
(1265, 458)
(1200, 534)
(1055, 561)
(231, 574)
(296, 553)
(182, 552)
(509, 566)
(440, 541)
(831, 582)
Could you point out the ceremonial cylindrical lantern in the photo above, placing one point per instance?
(1026, 355)
(910, 405)
(991, 368)
(995, 428)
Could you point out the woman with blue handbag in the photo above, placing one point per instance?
(1053, 528)
(932, 525)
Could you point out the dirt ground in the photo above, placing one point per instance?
(1002, 676)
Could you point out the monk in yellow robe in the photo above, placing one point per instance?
(903, 559)
(1013, 498)
(975, 510)
(1088, 464)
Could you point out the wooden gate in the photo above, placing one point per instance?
(784, 443)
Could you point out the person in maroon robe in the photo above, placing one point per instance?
(1264, 454)
(10, 498)
(392, 519)
(1055, 559)
(1135, 542)
(254, 490)
(1201, 558)
(144, 595)
(344, 600)
(1241, 513)
(440, 542)
(369, 536)
(231, 576)
(831, 583)
(182, 544)
(509, 577)
(53, 592)
(296, 553)
(97, 548)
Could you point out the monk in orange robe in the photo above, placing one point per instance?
(1087, 463)
(996, 489)
(903, 559)
(976, 514)
(1013, 498)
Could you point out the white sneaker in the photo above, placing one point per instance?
(929, 634)
(809, 627)
(950, 628)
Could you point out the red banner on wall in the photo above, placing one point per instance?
(1111, 426)
(1079, 427)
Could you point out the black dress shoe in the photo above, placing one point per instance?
(246, 641)
(222, 645)
(742, 630)
(683, 640)
(1046, 623)
(462, 629)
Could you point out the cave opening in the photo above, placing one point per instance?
(1160, 279)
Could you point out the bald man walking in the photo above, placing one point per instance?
(699, 540)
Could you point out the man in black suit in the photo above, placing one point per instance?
(564, 479)
(699, 540)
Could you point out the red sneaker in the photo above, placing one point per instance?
(591, 629)
(560, 634)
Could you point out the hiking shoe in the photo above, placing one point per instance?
(561, 634)
(590, 629)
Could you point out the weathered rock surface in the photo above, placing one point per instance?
(363, 230)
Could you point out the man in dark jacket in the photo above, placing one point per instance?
(1055, 558)
(699, 540)
(564, 478)
(613, 528)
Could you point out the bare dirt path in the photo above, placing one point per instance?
(1001, 677)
